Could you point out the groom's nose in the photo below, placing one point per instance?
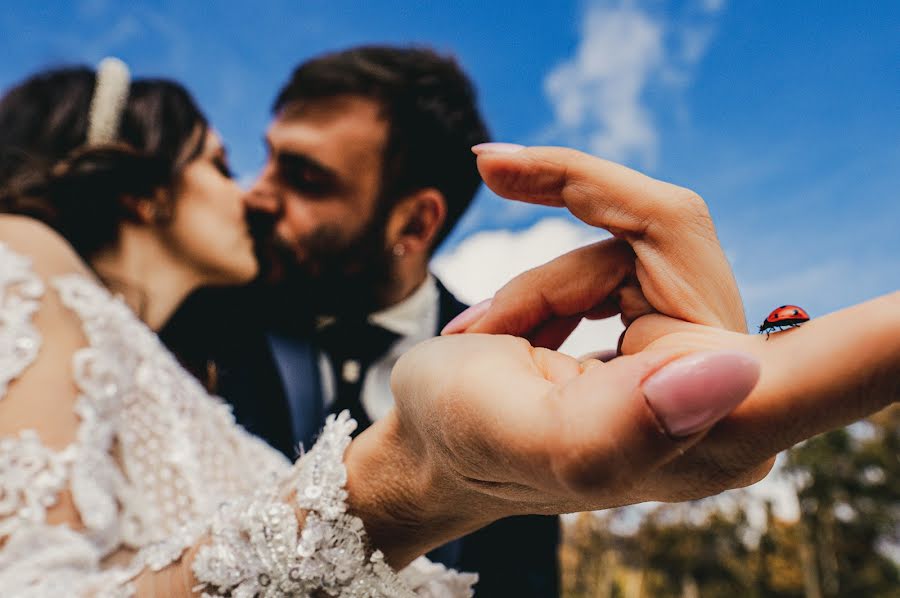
(264, 200)
(264, 196)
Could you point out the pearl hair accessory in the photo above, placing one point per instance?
(108, 101)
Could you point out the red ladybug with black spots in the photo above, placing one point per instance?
(786, 316)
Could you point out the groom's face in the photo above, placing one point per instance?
(321, 186)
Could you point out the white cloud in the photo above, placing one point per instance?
(599, 95)
(599, 90)
(485, 261)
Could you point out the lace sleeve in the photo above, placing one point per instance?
(256, 547)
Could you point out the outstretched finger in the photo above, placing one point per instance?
(599, 192)
(823, 375)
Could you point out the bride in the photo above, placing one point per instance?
(113, 460)
(119, 475)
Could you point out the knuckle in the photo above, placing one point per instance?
(688, 205)
(684, 210)
(689, 199)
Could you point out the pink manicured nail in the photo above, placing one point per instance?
(692, 393)
(496, 148)
(466, 318)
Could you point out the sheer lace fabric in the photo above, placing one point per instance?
(157, 464)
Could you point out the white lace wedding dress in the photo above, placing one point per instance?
(151, 464)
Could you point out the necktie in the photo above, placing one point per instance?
(353, 346)
(297, 363)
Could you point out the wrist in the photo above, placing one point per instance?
(408, 504)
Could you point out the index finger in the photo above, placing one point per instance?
(598, 192)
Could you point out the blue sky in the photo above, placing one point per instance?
(784, 116)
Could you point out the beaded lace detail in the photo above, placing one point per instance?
(32, 477)
(257, 548)
(20, 293)
(157, 464)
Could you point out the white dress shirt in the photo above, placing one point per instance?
(415, 319)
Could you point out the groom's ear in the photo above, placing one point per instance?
(416, 220)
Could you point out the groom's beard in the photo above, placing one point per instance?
(332, 277)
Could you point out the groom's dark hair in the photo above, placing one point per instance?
(429, 105)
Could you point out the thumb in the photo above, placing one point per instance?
(626, 418)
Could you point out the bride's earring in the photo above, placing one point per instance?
(399, 250)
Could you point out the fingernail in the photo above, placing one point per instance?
(496, 148)
(467, 318)
(692, 393)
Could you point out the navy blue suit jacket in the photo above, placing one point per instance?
(516, 556)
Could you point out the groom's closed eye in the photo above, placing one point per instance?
(305, 175)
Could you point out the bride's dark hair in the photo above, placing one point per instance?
(86, 192)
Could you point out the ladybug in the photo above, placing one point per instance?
(786, 316)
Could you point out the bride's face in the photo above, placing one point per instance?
(208, 229)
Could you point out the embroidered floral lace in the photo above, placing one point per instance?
(157, 465)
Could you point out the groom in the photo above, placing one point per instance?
(369, 167)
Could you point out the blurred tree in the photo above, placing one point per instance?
(845, 544)
(848, 489)
(696, 549)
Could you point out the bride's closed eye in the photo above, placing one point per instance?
(222, 166)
